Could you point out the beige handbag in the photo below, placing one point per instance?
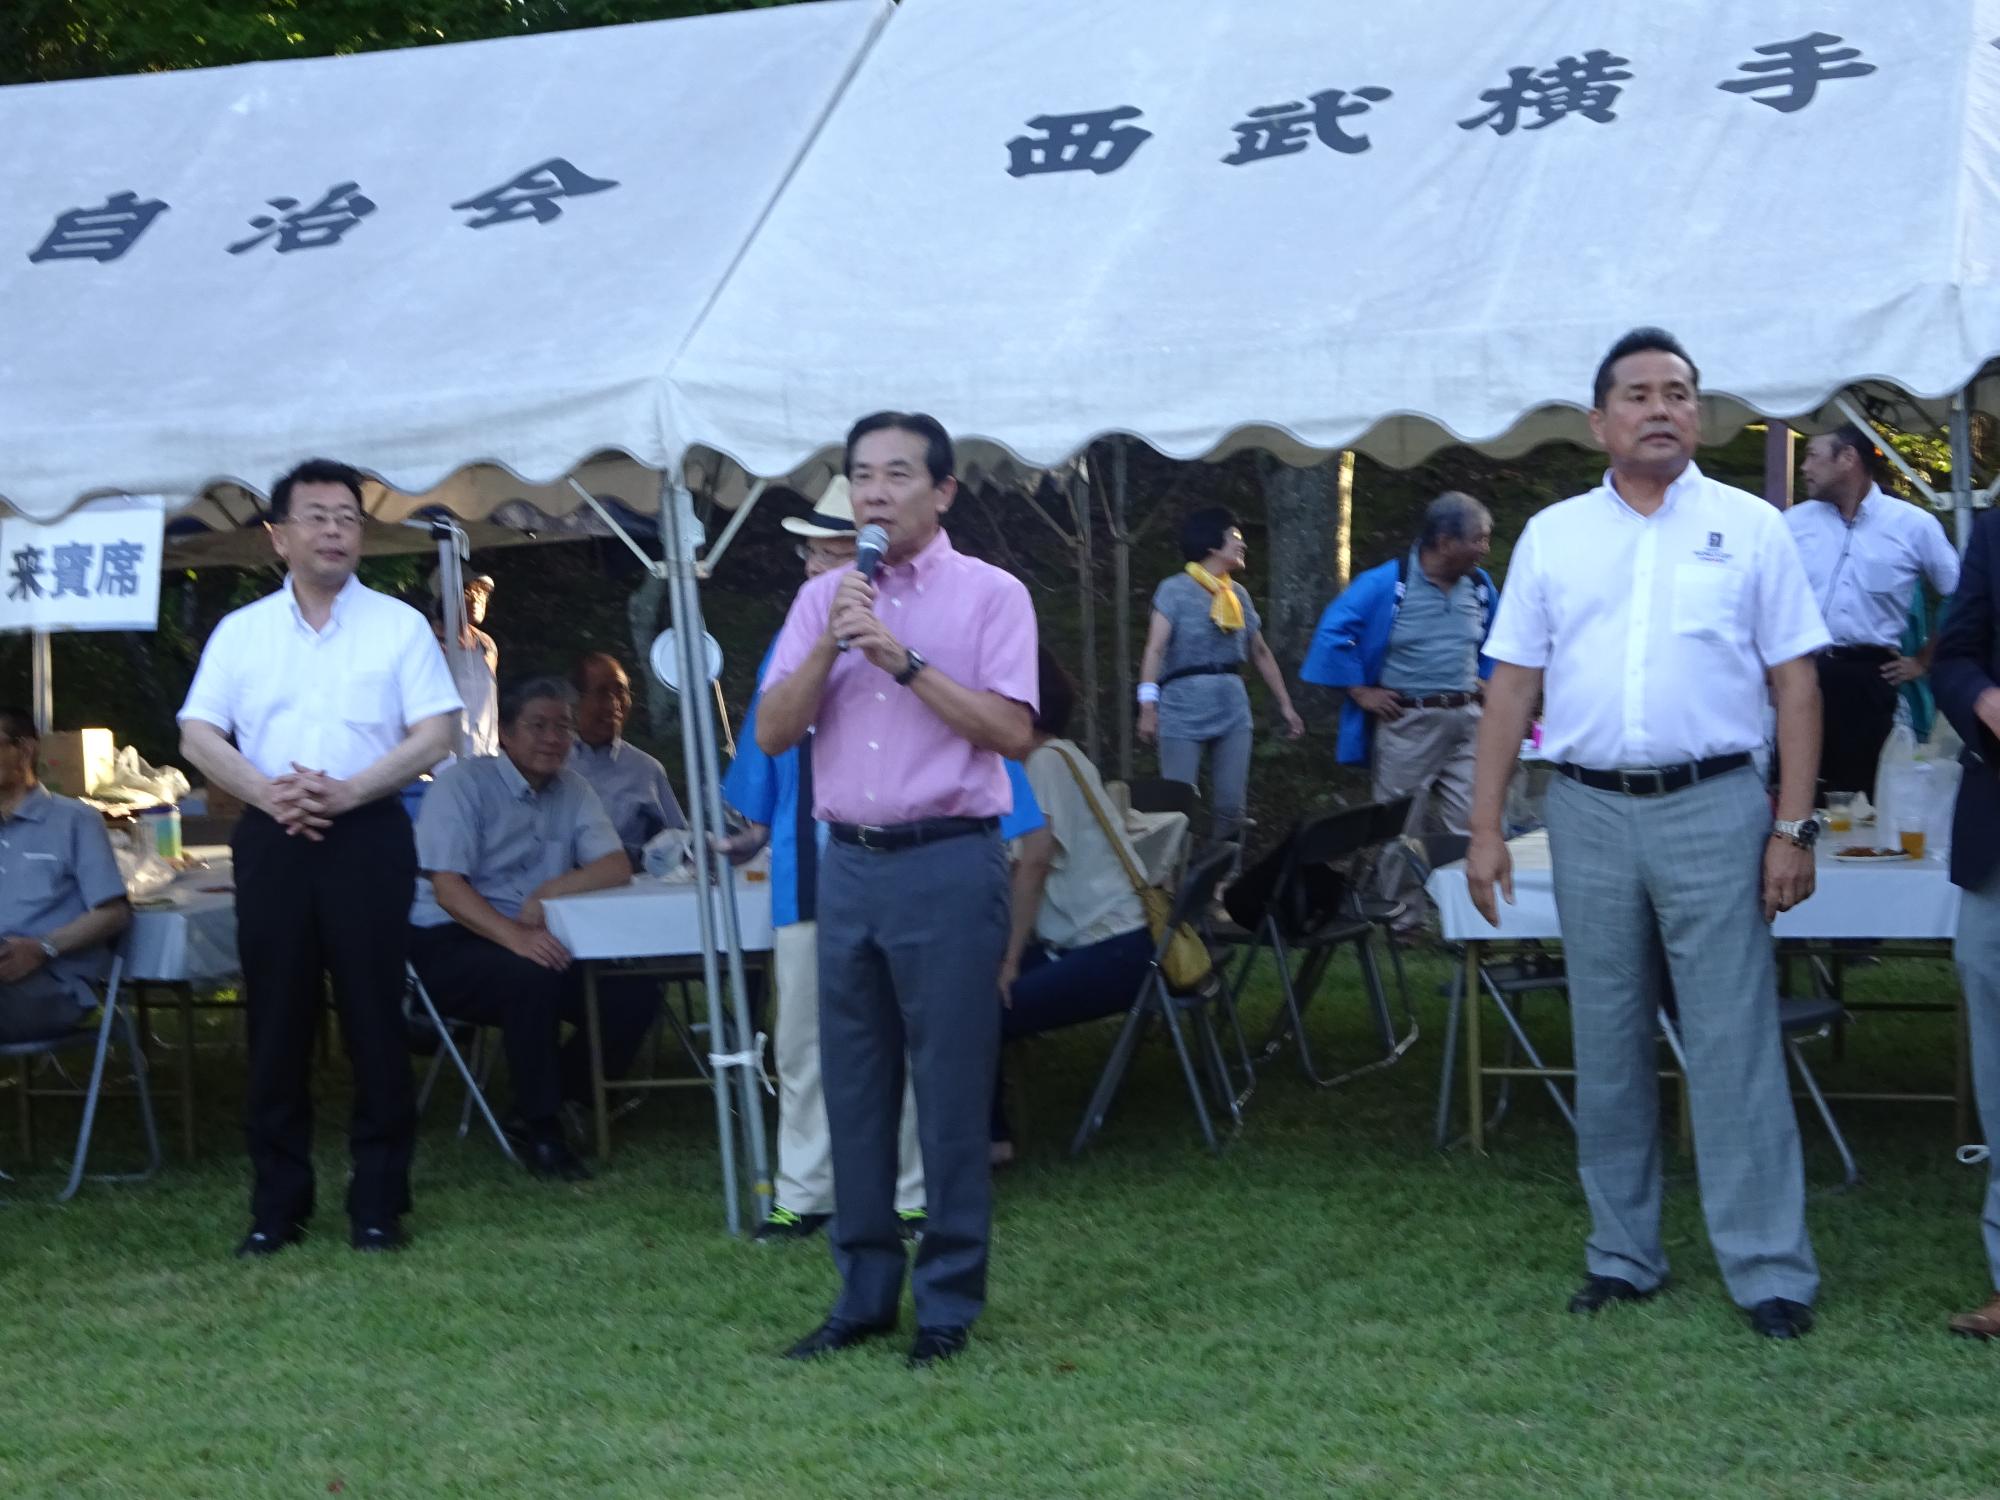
(1187, 962)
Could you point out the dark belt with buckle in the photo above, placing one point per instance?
(1656, 781)
(1438, 700)
(909, 835)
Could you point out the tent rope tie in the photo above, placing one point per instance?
(754, 1058)
(1972, 1156)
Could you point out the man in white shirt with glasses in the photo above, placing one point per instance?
(315, 706)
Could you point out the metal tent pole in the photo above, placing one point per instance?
(679, 530)
(43, 678)
(1961, 466)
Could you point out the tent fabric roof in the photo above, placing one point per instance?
(434, 303)
(1453, 281)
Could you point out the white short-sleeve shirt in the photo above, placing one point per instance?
(1653, 633)
(1864, 573)
(334, 700)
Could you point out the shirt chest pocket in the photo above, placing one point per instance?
(32, 879)
(1708, 602)
(369, 698)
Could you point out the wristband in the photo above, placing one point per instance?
(1149, 692)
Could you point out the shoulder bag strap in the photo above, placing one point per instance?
(1139, 884)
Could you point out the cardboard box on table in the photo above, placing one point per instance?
(75, 760)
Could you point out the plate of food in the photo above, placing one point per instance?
(1862, 854)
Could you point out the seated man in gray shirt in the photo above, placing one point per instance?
(633, 786)
(497, 837)
(62, 899)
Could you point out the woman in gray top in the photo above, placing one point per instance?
(1191, 693)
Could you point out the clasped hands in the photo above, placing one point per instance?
(854, 624)
(304, 802)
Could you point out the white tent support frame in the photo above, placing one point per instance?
(42, 676)
(679, 533)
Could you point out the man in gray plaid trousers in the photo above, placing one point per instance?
(1649, 616)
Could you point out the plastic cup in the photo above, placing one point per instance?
(1912, 840)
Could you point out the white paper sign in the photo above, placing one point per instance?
(98, 568)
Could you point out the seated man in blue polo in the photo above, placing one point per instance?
(62, 901)
(497, 837)
(635, 791)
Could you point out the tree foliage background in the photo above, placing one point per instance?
(556, 600)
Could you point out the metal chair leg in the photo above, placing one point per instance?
(1447, 1075)
(1114, 1068)
(1851, 1171)
(1169, 1011)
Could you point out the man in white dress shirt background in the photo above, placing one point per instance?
(1864, 552)
(1649, 615)
(314, 706)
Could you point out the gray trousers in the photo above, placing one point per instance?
(910, 943)
(42, 1005)
(1978, 955)
(1655, 887)
(1228, 773)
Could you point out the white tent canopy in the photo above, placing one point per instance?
(488, 251)
(1454, 281)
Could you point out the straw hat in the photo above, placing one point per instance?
(832, 516)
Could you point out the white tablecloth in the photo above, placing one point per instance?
(1910, 900)
(654, 919)
(192, 937)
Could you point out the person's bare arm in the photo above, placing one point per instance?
(475, 913)
(602, 874)
(989, 720)
(208, 750)
(1510, 703)
(1788, 869)
(1274, 679)
(1159, 631)
(1031, 877)
(788, 707)
(22, 956)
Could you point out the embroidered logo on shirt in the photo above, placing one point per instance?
(1713, 551)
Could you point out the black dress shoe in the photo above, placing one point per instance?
(1597, 1291)
(378, 1237)
(836, 1334)
(261, 1242)
(1780, 1318)
(551, 1157)
(935, 1344)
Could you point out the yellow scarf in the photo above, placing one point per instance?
(1226, 610)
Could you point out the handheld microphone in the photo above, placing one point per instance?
(870, 547)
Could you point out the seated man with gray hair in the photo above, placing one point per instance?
(1404, 641)
(497, 837)
(62, 900)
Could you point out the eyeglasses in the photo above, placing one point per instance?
(537, 728)
(319, 520)
(617, 692)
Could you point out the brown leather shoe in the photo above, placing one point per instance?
(1984, 1324)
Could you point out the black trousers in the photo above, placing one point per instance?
(471, 978)
(1857, 707)
(307, 912)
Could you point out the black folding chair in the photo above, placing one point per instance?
(1160, 795)
(423, 1015)
(114, 1021)
(1158, 998)
(1304, 916)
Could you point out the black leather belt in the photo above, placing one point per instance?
(1437, 700)
(1860, 653)
(1213, 669)
(909, 835)
(1656, 781)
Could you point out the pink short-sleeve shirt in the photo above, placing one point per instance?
(880, 756)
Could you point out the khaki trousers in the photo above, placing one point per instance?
(805, 1149)
(1426, 754)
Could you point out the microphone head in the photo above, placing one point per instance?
(870, 547)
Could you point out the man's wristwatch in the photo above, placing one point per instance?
(1804, 832)
(49, 950)
(914, 665)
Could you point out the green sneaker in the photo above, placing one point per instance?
(911, 1221)
(786, 1225)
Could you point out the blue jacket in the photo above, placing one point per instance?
(1352, 640)
(765, 789)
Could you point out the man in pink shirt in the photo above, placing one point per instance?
(917, 687)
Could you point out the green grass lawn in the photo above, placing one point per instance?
(1329, 1308)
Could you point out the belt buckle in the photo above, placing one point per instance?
(1627, 778)
(862, 835)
